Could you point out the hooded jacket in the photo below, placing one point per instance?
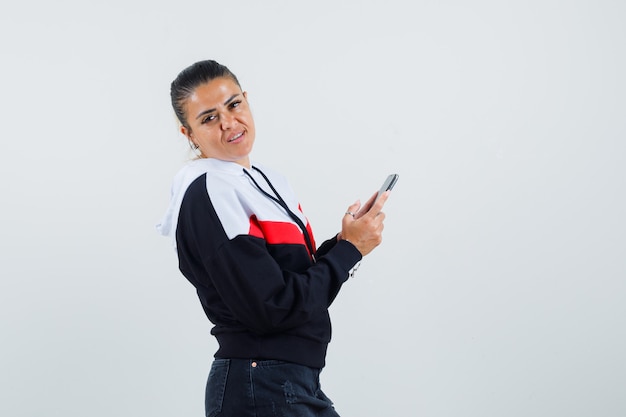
(245, 245)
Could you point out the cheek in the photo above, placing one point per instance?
(250, 121)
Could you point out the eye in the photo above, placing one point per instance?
(235, 104)
(208, 118)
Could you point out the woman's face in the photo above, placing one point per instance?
(220, 121)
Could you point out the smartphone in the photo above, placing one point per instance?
(388, 184)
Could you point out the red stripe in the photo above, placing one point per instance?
(277, 232)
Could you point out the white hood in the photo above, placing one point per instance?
(183, 179)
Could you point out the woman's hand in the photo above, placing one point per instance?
(363, 226)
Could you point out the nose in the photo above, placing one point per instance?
(227, 121)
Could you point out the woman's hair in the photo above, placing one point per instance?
(190, 78)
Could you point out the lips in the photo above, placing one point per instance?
(234, 138)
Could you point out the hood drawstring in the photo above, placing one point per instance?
(279, 200)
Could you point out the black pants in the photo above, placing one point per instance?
(268, 388)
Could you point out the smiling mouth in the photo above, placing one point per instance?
(234, 138)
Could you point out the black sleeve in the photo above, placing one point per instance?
(326, 246)
(265, 297)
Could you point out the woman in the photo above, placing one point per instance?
(246, 246)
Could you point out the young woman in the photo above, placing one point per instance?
(244, 243)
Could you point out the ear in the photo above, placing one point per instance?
(245, 95)
(185, 132)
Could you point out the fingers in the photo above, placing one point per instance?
(376, 209)
(367, 206)
(353, 209)
(382, 199)
(363, 228)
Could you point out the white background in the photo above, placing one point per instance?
(500, 286)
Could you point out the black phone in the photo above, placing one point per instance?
(389, 183)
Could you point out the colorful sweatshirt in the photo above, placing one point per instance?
(245, 245)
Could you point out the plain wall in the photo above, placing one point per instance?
(499, 289)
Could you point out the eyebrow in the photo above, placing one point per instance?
(226, 103)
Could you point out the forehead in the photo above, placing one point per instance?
(214, 93)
